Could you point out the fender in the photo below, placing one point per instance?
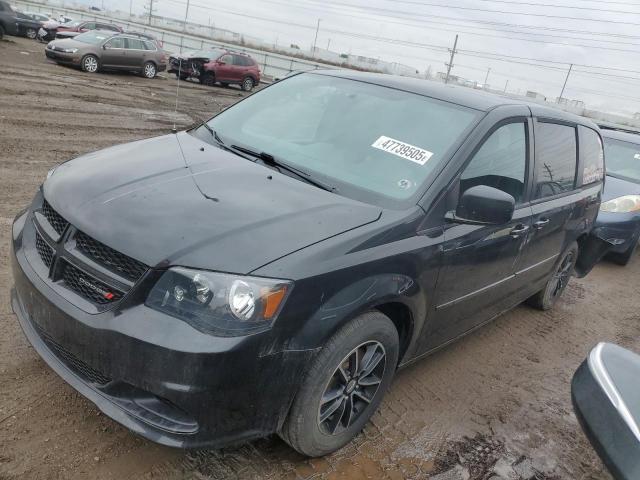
(397, 292)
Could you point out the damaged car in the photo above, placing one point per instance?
(271, 269)
(217, 66)
(618, 222)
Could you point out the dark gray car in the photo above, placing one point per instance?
(106, 50)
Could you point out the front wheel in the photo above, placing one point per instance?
(344, 386)
(149, 70)
(208, 79)
(247, 84)
(90, 64)
(546, 298)
(31, 33)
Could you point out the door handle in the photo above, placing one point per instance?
(519, 230)
(540, 224)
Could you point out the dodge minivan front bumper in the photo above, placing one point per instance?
(154, 374)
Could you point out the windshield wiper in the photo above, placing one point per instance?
(219, 141)
(270, 160)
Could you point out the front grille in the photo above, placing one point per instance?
(88, 287)
(44, 250)
(109, 258)
(58, 223)
(71, 361)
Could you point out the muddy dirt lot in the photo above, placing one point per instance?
(494, 405)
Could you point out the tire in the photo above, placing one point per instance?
(90, 63)
(625, 257)
(1, 32)
(372, 336)
(208, 79)
(247, 84)
(224, 85)
(149, 70)
(182, 77)
(31, 33)
(546, 298)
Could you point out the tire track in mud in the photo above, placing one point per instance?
(506, 387)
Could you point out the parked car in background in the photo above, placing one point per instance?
(7, 19)
(27, 26)
(16, 23)
(619, 219)
(217, 66)
(56, 30)
(325, 231)
(105, 50)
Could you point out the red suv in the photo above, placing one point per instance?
(217, 66)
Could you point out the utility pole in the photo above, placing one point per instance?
(505, 86)
(486, 78)
(565, 83)
(328, 44)
(184, 25)
(450, 64)
(130, 9)
(150, 8)
(315, 40)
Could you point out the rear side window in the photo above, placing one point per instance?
(592, 154)
(149, 45)
(556, 159)
(89, 26)
(135, 44)
(242, 61)
(501, 162)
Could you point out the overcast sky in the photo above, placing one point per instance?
(606, 36)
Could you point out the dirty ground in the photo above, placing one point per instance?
(493, 405)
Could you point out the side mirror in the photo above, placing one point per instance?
(483, 205)
(606, 399)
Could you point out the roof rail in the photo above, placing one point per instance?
(619, 128)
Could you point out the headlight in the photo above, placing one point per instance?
(625, 204)
(70, 50)
(219, 303)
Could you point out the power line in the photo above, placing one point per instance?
(531, 4)
(476, 9)
(458, 26)
(438, 48)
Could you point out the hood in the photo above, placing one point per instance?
(68, 43)
(175, 200)
(616, 187)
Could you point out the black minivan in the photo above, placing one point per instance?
(269, 270)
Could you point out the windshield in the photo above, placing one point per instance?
(371, 142)
(93, 37)
(623, 159)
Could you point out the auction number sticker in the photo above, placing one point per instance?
(402, 150)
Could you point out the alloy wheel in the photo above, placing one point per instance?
(91, 64)
(248, 84)
(352, 387)
(562, 276)
(31, 33)
(149, 70)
